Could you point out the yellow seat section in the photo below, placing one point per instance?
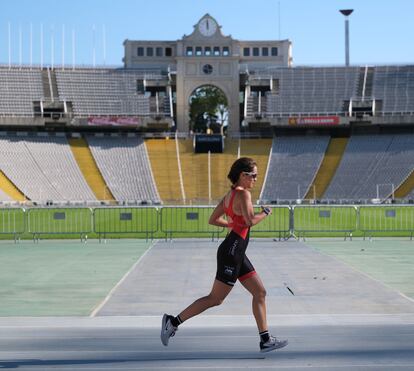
(330, 162)
(220, 166)
(405, 187)
(9, 188)
(163, 158)
(196, 175)
(89, 169)
(194, 167)
(259, 150)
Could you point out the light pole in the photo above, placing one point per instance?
(346, 13)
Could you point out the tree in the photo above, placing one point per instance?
(208, 109)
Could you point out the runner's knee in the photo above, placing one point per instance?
(215, 300)
(260, 294)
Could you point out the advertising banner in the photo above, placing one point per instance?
(315, 120)
(113, 121)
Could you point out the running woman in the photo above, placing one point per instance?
(232, 262)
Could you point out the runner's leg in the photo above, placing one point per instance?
(254, 285)
(218, 293)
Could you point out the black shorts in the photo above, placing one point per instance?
(232, 262)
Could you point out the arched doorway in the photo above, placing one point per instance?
(208, 110)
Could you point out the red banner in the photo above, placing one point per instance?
(113, 121)
(315, 120)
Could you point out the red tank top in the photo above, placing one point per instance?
(238, 224)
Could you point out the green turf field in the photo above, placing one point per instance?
(192, 221)
(60, 278)
(389, 261)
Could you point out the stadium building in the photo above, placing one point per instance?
(122, 135)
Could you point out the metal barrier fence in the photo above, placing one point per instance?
(59, 221)
(184, 220)
(339, 219)
(172, 221)
(279, 222)
(12, 221)
(120, 220)
(386, 219)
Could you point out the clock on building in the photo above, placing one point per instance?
(207, 26)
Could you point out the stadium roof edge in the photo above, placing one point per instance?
(121, 67)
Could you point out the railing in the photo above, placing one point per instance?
(331, 219)
(187, 220)
(386, 219)
(166, 222)
(57, 221)
(13, 222)
(121, 220)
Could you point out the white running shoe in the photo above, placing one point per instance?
(167, 329)
(272, 344)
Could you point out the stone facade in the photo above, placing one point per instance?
(206, 57)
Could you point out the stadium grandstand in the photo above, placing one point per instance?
(122, 136)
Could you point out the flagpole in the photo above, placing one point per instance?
(9, 28)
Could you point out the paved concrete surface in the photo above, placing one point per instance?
(133, 344)
(337, 319)
(173, 275)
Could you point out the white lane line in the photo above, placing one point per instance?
(99, 307)
(206, 321)
(198, 357)
(346, 367)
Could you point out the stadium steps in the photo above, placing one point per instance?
(45, 84)
(9, 188)
(163, 158)
(220, 166)
(369, 82)
(330, 162)
(53, 83)
(405, 187)
(89, 169)
(365, 82)
(259, 150)
(196, 187)
(195, 171)
(361, 78)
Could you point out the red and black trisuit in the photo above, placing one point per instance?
(232, 262)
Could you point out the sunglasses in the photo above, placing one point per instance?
(251, 174)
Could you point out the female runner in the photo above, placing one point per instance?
(232, 262)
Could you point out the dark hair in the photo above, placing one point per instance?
(242, 164)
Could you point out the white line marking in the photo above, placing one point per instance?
(207, 321)
(99, 307)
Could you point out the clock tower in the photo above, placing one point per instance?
(207, 26)
(207, 57)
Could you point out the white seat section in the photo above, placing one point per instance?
(55, 159)
(293, 166)
(394, 166)
(104, 91)
(21, 168)
(306, 89)
(43, 168)
(394, 85)
(19, 87)
(125, 166)
(372, 166)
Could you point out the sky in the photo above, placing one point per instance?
(92, 32)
